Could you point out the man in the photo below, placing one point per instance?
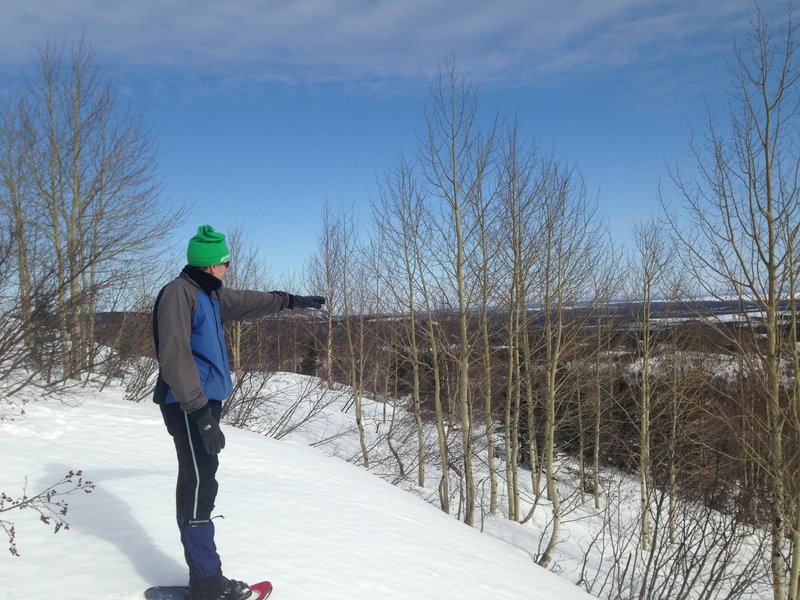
(194, 380)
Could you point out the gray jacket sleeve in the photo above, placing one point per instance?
(241, 305)
(174, 322)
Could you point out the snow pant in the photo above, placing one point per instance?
(195, 494)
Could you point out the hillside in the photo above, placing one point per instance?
(315, 525)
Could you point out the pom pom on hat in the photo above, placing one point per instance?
(207, 248)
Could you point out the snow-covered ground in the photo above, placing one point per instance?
(317, 526)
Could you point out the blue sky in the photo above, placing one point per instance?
(265, 109)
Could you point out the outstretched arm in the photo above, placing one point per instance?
(239, 305)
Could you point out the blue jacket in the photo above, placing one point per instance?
(189, 338)
(209, 350)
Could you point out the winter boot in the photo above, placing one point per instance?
(234, 590)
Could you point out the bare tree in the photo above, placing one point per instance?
(572, 235)
(324, 272)
(455, 158)
(607, 284)
(649, 280)
(355, 308)
(78, 175)
(517, 208)
(741, 224)
(485, 266)
(433, 339)
(398, 219)
(246, 272)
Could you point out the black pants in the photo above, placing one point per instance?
(195, 494)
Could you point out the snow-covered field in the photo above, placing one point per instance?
(318, 527)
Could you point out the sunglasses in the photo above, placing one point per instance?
(227, 264)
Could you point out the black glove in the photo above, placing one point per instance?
(210, 433)
(306, 301)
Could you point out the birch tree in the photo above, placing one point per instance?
(517, 208)
(78, 175)
(398, 217)
(648, 280)
(324, 272)
(572, 235)
(454, 158)
(739, 236)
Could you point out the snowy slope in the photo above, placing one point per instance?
(318, 527)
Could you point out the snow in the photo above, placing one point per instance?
(317, 526)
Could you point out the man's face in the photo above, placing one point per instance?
(219, 271)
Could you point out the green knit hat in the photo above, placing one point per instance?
(207, 248)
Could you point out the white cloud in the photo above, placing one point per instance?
(362, 39)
